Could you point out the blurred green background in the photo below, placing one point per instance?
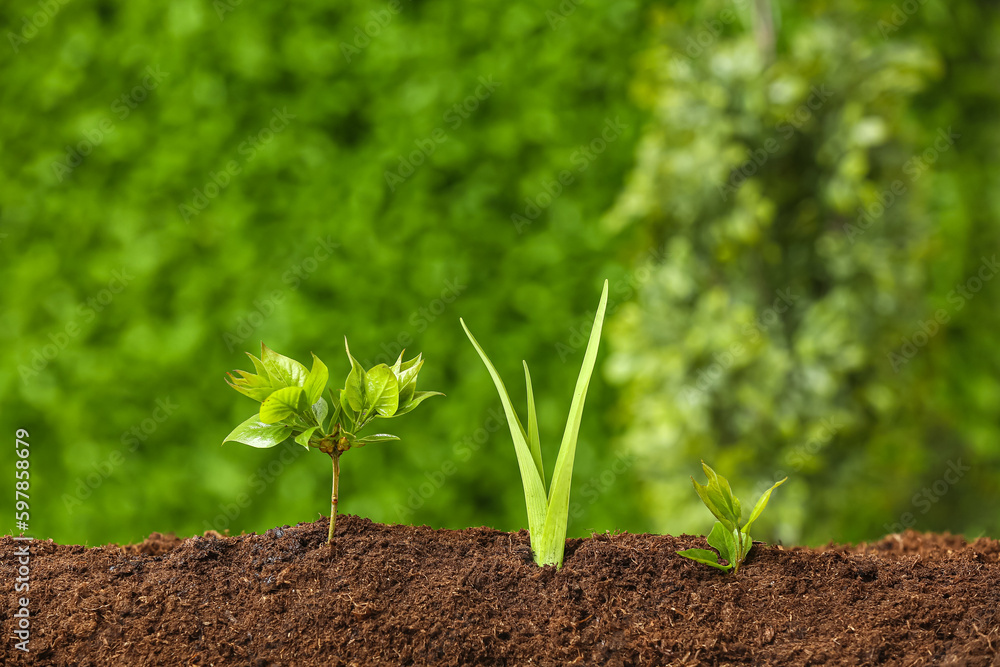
(795, 204)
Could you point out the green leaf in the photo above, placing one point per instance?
(284, 403)
(417, 399)
(533, 442)
(715, 500)
(407, 377)
(557, 515)
(346, 408)
(721, 539)
(256, 433)
(284, 371)
(720, 485)
(335, 402)
(244, 386)
(381, 391)
(320, 410)
(704, 556)
(261, 370)
(534, 491)
(316, 380)
(761, 504)
(355, 386)
(377, 437)
(303, 438)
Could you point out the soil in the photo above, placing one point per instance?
(402, 595)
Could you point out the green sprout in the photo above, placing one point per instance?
(548, 515)
(732, 542)
(292, 404)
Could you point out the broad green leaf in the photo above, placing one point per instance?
(407, 376)
(534, 491)
(320, 410)
(381, 391)
(719, 488)
(256, 393)
(557, 514)
(284, 371)
(533, 441)
(721, 539)
(282, 404)
(418, 398)
(256, 433)
(761, 504)
(316, 380)
(704, 556)
(355, 386)
(377, 437)
(303, 438)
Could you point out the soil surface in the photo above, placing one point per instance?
(402, 595)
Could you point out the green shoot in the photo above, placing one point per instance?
(731, 541)
(548, 514)
(292, 405)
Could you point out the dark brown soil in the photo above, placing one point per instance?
(398, 595)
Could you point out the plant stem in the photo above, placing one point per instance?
(333, 499)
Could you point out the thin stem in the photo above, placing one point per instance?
(333, 499)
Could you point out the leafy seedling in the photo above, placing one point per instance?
(731, 541)
(292, 405)
(548, 514)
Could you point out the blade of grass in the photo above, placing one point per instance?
(534, 490)
(533, 442)
(556, 518)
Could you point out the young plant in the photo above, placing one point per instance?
(292, 405)
(732, 541)
(548, 514)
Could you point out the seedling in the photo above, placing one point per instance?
(292, 405)
(732, 542)
(548, 515)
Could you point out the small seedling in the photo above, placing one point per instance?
(548, 515)
(292, 405)
(732, 542)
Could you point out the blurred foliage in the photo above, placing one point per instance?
(179, 182)
(821, 182)
(310, 218)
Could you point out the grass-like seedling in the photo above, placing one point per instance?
(732, 541)
(292, 405)
(548, 514)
